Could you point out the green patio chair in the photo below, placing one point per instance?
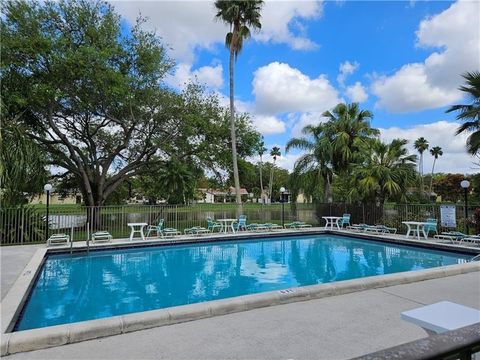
(157, 229)
(241, 224)
(161, 230)
(345, 220)
(431, 225)
(212, 225)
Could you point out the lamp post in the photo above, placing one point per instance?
(282, 200)
(465, 184)
(47, 188)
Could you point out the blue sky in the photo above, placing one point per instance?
(400, 59)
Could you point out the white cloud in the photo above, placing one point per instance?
(279, 18)
(268, 125)
(284, 161)
(264, 124)
(301, 120)
(434, 82)
(280, 88)
(346, 68)
(211, 76)
(357, 92)
(187, 25)
(183, 25)
(441, 133)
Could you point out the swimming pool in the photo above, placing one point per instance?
(78, 287)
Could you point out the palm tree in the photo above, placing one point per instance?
(22, 165)
(333, 146)
(387, 172)
(347, 128)
(273, 153)
(421, 144)
(239, 15)
(177, 181)
(436, 151)
(316, 163)
(470, 113)
(261, 150)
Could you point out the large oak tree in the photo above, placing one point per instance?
(90, 92)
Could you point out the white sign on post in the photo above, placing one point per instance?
(447, 216)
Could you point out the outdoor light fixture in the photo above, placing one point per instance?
(47, 188)
(282, 200)
(465, 184)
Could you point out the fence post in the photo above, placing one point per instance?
(22, 225)
(363, 213)
(176, 216)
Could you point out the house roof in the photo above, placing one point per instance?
(230, 191)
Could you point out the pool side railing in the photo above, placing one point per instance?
(28, 225)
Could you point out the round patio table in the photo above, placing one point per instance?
(137, 228)
(331, 221)
(420, 226)
(225, 225)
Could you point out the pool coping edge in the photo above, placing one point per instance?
(52, 336)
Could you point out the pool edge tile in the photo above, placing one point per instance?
(37, 339)
(5, 339)
(15, 298)
(184, 313)
(93, 329)
(145, 320)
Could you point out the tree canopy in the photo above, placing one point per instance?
(91, 95)
(470, 112)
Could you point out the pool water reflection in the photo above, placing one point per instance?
(74, 288)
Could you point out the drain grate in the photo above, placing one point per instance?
(287, 291)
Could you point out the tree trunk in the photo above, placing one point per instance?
(270, 190)
(328, 189)
(431, 179)
(261, 180)
(232, 124)
(421, 173)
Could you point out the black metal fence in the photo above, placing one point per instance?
(393, 215)
(28, 224)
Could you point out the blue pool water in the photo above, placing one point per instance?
(81, 287)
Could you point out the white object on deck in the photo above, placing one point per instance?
(225, 222)
(58, 239)
(420, 226)
(101, 236)
(442, 316)
(137, 228)
(331, 221)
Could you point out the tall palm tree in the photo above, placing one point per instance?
(333, 146)
(347, 128)
(239, 15)
(387, 172)
(273, 153)
(421, 144)
(316, 163)
(261, 150)
(436, 151)
(470, 113)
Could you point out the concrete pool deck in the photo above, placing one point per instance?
(336, 327)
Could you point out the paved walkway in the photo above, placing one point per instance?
(331, 328)
(12, 261)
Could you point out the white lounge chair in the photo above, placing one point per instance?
(58, 239)
(101, 236)
(196, 230)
